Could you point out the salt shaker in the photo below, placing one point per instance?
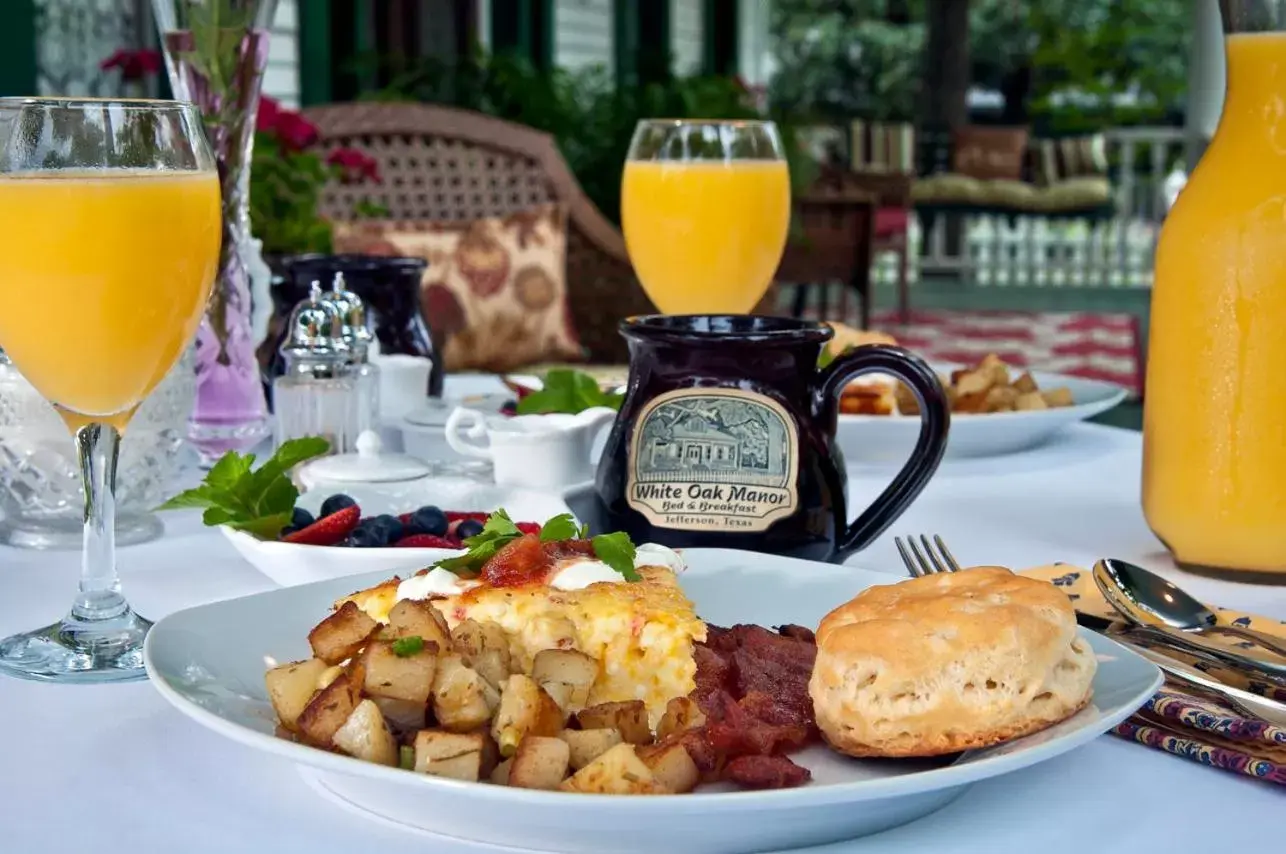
(359, 340)
(317, 394)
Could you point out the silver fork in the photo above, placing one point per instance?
(938, 559)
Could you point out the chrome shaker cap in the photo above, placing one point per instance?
(352, 317)
(315, 332)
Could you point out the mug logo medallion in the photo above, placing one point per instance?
(709, 459)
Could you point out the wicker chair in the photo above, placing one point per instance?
(445, 164)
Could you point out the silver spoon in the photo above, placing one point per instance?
(1147, 599)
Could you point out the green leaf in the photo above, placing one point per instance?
(408, 646)
(568, 392)
(498, 525)
(229, 470)
(498, 530)
(559, 528)
(258, 501)
(195, 498)
(617, 551)
(264, 527)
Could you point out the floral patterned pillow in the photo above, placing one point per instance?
(495, 291)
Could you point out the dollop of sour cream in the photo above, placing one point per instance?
(437, 583)
(579, 573)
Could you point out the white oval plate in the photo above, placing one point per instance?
(890, 438)
(209, 662)
(289, 564)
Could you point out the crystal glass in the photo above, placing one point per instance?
(705, 207)
(109, 244)
(41, 494)
(216, 52)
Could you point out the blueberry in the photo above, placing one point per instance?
(509, 407)
(300, 518)
(468, 528)
(389, 526)
(336, 503)
(287, 531)
(365, 537)
(427, 520)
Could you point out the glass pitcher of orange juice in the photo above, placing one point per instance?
(1214, 432)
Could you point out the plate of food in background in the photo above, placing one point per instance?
(996, 408)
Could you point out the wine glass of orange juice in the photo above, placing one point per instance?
(705, 207)
(109, 240)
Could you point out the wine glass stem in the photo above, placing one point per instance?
(97, 447)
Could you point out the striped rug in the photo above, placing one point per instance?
(1094, 345)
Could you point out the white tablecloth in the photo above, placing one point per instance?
(114, 770)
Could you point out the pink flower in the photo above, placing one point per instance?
(133, 64)
(293, 131)
(355, 166)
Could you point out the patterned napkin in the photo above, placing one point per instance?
(1194, 726)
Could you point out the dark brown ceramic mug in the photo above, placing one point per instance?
(726, 438)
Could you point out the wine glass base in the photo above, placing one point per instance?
(73, 651)
(69, 535)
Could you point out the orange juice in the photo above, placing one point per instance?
(1214, 462)
(705, 237)
(104, 277)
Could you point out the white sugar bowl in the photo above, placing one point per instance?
(370, 466)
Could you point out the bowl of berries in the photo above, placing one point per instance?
(295, 539)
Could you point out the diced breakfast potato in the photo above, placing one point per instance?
(462, 699)
(1025, 383)
(681, 714)
(1000, 398)
(291, 686)
(672, 766)
(628, 718)
(365, 735)
(485, 648)
(329, 675)
(619, 771)
(540, 763)
(403, 716)
(329, 708)
(565, 673)
(975, 382)
(908, 403)
(500, 774)
(399, 677)
(1056, 397)
(586, 745)
(339, 636)
(418, 618)
(449, 754)
(525, 710)
(1030, 401)
(996, 369)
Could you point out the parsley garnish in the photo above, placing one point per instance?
(568, 391)
(408, 646)
(406, 757)
(559, 528)
(618, 552)
(498, 530)
(259, 502)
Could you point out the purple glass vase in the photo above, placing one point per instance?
(216, 52)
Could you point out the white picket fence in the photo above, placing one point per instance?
(1031, 251)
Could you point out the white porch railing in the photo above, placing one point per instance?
(1033, 251)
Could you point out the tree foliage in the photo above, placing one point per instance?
(1101, 60)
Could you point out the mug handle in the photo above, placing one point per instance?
(935, 422)
(465, 423)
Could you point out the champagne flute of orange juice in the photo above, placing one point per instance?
(705, 207)
(109, 241)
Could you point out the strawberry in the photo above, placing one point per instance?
(427, 541)
(328, 530)
(459, 516)
(528, 527)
